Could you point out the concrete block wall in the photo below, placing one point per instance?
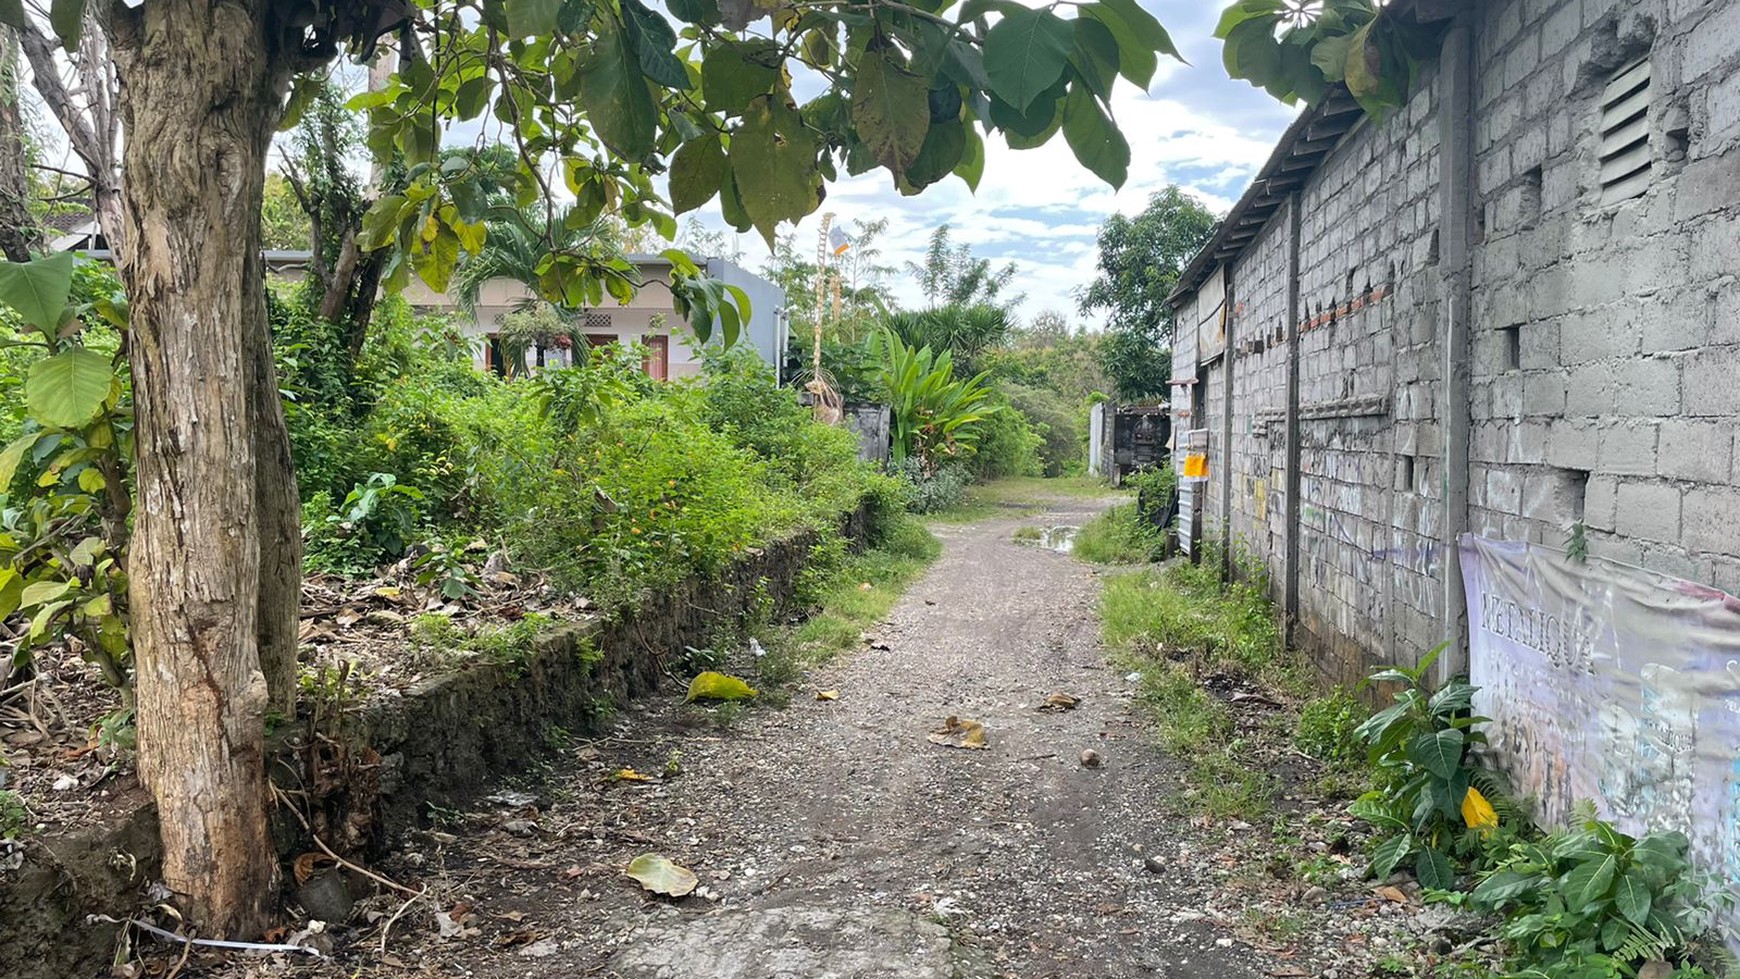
(1370, 566)
(1604, 360)
(1607, 335)
(1259, 318)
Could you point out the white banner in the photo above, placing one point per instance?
(1610, 684)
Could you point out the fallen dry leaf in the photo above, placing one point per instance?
(827, 695)
(656, 873)
(959, 733)
(1395, 894)
(1061, 701)
(628, 775)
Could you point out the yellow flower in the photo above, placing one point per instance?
(1477, 812)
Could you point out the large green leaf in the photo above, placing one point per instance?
(1438, 752)
(944, 147)
(1589, 882)
(614, 92)
(1390, 852)
(37, 290)
(1094, 138)
(972, 166)
(13, 455)
(773, 158)
(1633, 897)
(1096, 55)
(528, 17)
(1135, 61)
(1149, 33)
(734, 74)
(1025, 54)
(67, 17)
(68, 389)
(697, 169)
(11, 590)
(12, 13)
(1434, 871)
(890, 109)
(1502, 886)
(654, 42)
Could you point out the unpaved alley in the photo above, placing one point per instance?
(832, 839)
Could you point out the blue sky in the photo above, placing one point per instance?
(1038, 208)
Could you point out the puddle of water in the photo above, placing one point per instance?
(1060, 538)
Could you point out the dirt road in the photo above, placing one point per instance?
(832, 839)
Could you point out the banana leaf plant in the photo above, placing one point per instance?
(932, 414)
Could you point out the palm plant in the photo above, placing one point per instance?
(520, 242)
(964, 331)
(932, 413)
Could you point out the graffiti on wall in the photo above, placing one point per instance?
(1610, 684)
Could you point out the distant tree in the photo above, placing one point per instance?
(1047, 329)
(951, 275)
(1137, 361)
(1141, 258)
(1140, 261)
(967, 332)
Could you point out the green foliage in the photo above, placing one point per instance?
(1594, 903)
(1141, 258)
(1299, 51)
(64, 478)
(1156, 490)
(1060, 427)
(1007, 446)
(932, 414)
(963, 331)
(1327, 727)
(951, 276)
(1169, 625)
(375, 523)
(14, 818)
(933, 491)
(1426, 807)
(1119, 536)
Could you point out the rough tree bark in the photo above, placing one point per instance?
(16, 230)
(201, 95)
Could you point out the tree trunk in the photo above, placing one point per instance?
(199, 101)
(279, 511)
(17, 232)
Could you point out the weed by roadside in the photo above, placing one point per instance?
(1187, 638)
(1120, 536)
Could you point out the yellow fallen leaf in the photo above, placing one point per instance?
(959, 733)
(827, 695)
(1060, 701)
(629, 775)
(1477, 812)
(718, 686)
(658, 874)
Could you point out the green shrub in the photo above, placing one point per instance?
(933, 492)
(1595, 902)
(1061, 426)
(1007, 446)
(1327, 728)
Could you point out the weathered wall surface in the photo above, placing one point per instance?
(1603, 376)
(1607, 344)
